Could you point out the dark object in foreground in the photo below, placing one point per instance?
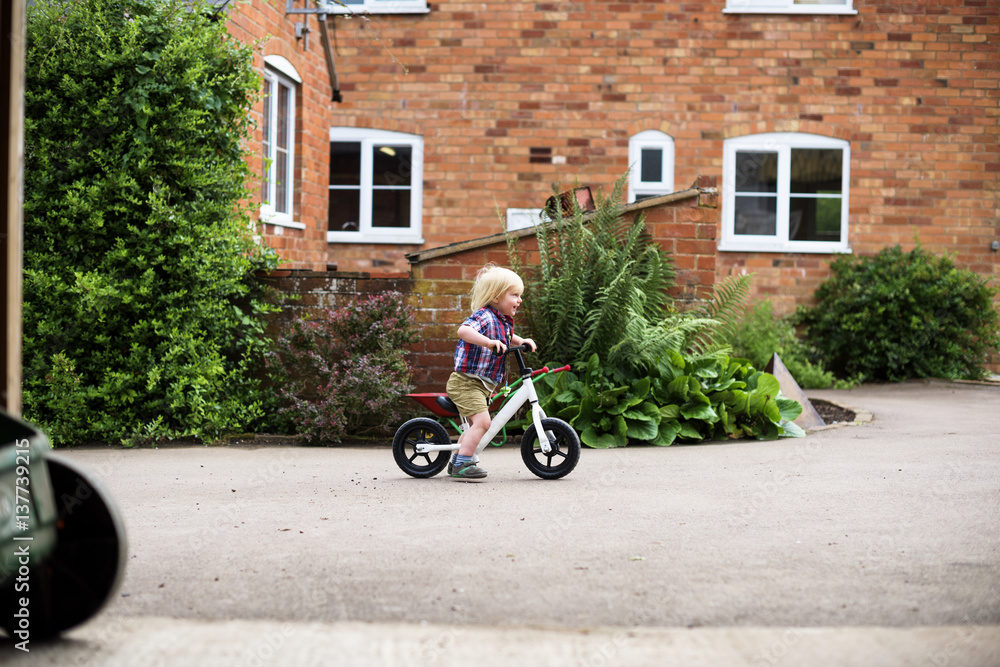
(563, 203)
(62, 540)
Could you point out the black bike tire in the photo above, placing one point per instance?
(565, 446)
(404, 453)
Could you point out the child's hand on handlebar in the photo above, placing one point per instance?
(524, 344)
(498, 346)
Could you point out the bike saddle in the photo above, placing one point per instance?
(447, 404)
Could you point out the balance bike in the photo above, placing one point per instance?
(550, 448)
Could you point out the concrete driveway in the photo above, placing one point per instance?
(870, 544)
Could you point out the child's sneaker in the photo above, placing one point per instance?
(467, 470)
(451, 464)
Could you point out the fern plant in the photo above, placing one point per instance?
(596, 273)
(724, 311)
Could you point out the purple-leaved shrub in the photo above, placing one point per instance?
(345, 369)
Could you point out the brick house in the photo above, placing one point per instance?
(830, 126)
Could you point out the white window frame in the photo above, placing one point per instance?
(650, 139)
(787, 7)
(278, 72)
(781, 143)
(366, 233)
(378, 7)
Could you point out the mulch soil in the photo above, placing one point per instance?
(831, 412)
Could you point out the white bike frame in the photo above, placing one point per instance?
(526, 394)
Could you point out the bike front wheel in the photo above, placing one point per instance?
(411, 434)
(563, 456)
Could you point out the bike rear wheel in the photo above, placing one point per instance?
(404, 447)
(562, 458)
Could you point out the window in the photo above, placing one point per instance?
(785, 193)
(277, 190)
(376, 186)
(378, 6)
(651, 160)
(790, 7)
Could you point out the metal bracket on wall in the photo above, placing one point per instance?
(321, 12)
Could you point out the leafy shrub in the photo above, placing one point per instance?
(141, 314)
(651, 374)
(900, 315)
(715, 397)
(760, 334)
(338, 371)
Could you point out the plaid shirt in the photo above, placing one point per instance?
(479, 360)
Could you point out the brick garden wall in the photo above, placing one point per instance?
(301, 291)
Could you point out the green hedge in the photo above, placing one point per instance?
(141, 316)
(899, 315)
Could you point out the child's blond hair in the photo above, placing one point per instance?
(492, 282)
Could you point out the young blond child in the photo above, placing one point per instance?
(480, 359)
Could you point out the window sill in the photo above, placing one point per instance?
(340, 11)
(811, 9)
(801, 247)
(351, 237)
(633, 197)
(278, 222)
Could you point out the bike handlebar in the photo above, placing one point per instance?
(523, 347)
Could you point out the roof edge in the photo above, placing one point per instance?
(472, 244)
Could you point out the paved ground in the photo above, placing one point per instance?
(873, 544)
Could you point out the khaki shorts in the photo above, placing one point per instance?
(469, 393)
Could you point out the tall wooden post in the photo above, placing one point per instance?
(11, 198)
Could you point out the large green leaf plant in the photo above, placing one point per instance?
(674, 400)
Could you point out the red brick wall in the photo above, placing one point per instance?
(439, 287)
(513, 97)
(265, 24)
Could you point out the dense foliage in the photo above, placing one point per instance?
(336, 371)
(643, 372)
(899, 315)
(141, 316)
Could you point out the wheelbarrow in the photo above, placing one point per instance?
(62, 540)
